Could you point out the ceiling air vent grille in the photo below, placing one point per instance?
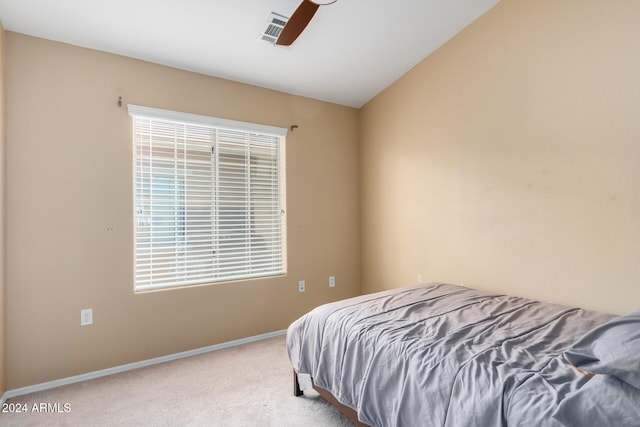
(274, 27)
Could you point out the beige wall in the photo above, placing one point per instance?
(69, 179)
(2, 225)
(509, 160)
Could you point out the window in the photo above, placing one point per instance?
(209, 199)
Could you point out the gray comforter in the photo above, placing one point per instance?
(442, 355)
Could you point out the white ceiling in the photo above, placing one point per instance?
(350, 52)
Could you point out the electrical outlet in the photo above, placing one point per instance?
(332, 281)
(301, 286)
(419, 278)
(86, 316)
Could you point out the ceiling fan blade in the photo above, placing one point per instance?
(297, 23)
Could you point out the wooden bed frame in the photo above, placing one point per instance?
(351, 414)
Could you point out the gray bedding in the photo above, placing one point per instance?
(442, 355)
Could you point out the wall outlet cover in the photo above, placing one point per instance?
(86, 316)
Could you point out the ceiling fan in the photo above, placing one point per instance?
(299, 20)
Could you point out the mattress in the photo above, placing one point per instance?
(442, 355)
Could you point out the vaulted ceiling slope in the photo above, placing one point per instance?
(350, 52)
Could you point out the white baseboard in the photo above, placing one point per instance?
(135, 365)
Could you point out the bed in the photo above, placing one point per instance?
(447, 355)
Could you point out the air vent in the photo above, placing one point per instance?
(274, 27)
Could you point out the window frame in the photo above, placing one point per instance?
(275, 136)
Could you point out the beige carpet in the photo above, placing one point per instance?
(247, 385)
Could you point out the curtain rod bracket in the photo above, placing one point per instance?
(293, 127)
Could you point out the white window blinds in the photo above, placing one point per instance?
(209, 199)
